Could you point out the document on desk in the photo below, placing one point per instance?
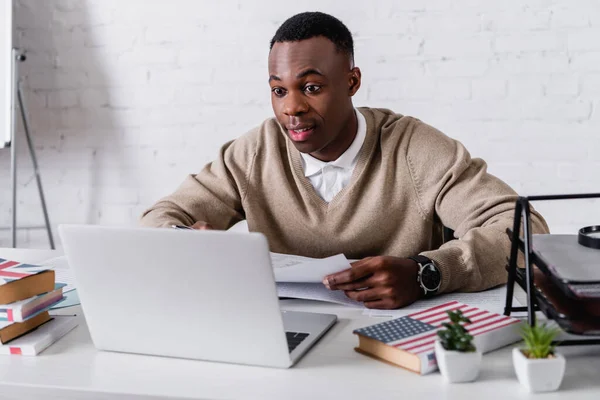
(492, 300)
(290, 268)
(301, 278)
(314, 291)
(62, 272)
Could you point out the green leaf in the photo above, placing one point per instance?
(538, 340)
(455, 336)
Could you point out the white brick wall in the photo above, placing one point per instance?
(127, 97)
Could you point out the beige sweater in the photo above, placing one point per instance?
(409, 181)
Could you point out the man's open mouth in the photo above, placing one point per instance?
(301, 134)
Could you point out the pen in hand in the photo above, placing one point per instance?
(181, 227)
(198, 226)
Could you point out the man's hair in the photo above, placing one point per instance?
(307, 25)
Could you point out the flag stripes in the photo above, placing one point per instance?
(417, 332)
(481, 321)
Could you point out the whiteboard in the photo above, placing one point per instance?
(6, 94)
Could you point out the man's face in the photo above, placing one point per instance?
(311, 89)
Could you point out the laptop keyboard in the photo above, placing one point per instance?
(294, 339)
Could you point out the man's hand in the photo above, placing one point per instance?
(202, 226)
(379, 282)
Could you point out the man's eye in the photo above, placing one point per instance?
(312, 88)
(278, 91)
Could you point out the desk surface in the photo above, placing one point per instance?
(73, 368)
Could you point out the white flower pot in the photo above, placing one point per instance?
(456, 366)
(539, 375)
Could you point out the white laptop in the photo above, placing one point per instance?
(207, 295)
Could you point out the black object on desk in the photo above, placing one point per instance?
(590, 237)
(554, 296)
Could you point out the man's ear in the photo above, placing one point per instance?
(354, 78)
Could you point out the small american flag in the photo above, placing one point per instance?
(14, 270)
(416, 333)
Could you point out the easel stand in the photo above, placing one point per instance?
(535, 300)
(17, 58)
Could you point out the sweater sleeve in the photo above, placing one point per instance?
(458, 191)
(214, 195)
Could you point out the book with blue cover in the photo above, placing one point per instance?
(409, 341)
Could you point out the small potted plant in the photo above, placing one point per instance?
(538, 367)
(457, 357)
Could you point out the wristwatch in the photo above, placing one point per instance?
(429, 276)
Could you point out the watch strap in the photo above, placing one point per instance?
(421, 259)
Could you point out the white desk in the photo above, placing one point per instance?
(73, 368)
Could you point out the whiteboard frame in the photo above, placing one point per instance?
(6, 80)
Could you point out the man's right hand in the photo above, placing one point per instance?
(202, 226)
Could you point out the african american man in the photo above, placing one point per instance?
(324, 177)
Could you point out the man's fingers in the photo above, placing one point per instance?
(201, 226)
(346, 276)
(363, 295)
(366, 282)
(360, 262)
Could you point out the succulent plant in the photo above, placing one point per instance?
(538, 340)
(455, 337)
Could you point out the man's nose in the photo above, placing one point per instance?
(295, 104)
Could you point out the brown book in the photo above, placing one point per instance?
(20, 281)
(409, 341)
(12, 330)
(388, 354)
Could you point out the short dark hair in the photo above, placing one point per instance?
(307, 25)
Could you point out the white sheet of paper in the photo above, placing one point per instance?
(492, 300)
(62, 272)
(314, 291)
(289, 268)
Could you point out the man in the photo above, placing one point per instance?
(324, 178)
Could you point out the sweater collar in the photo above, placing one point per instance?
(364, 155)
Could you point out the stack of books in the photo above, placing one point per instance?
(27, 292)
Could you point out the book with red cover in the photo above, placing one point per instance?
(409, 341)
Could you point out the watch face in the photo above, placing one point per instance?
(430, 277)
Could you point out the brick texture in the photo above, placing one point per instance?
(127, 97)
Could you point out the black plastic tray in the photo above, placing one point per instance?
(565, 286)
(574, 326)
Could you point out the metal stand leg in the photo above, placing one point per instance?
(528, 266)
(35, 165)
(514, 250)
(16, 88)
(13, 151)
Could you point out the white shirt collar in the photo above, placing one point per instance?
(347, 160)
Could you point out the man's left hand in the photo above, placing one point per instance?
(379, 282)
